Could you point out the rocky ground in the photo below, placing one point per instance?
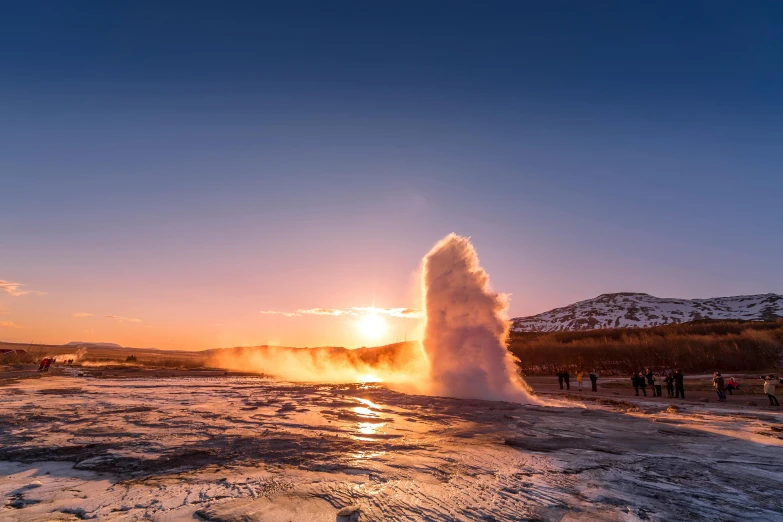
(75, 445)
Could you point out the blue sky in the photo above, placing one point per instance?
(198, 162)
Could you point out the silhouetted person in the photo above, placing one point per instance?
(679, 387)
(769, 389)
(567, 379)
(594, 380)
(720, 386)
(669, 380)
(560, 379)
(637, 381)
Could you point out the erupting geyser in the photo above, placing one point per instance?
(466, 329)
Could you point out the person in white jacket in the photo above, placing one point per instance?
(769, 389)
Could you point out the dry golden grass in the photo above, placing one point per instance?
(702, 346)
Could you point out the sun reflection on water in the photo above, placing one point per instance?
(361, 410)
(370, 428)
(368, 403)
(367, 455)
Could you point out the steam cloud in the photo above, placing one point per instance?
(76, 356)
(466, 330)
(397, 364)
(463, 352)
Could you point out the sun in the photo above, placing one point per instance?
(372, 326)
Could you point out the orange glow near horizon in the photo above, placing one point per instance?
(372, 326)
(54, 319)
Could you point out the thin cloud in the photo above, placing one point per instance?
(326, 311)
(82, 314)
(9, 324)
(12, 288)
(124, 319)
(275, 312)
(402, 313)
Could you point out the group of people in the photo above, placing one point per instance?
(672, 379)
(564, 378)
(722, 386)
(674, 382)
(675, 387)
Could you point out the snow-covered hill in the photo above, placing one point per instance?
(633, 310)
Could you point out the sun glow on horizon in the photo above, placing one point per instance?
(372, 326)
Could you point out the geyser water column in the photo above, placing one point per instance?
(466, 328)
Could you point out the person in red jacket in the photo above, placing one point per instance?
(731, 385)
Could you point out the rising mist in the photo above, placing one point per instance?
(466, 329)
(463, 352)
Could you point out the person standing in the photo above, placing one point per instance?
(658, 380)
(669, 380)
(720, 386)
(679, 385)
(650, 377)
(580, 375)
(643, 384)
(567, 379)
(769, 389)
(636, 384)
(594, 380)
(560, 378)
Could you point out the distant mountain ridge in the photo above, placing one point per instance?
(93, 345)
(638, 310)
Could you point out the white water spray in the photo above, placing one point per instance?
(466, 329)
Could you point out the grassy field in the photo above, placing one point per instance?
(103, 355)
(698, 347)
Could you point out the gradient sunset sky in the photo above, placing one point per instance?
(171, 170)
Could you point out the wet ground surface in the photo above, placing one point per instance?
(242, 448)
